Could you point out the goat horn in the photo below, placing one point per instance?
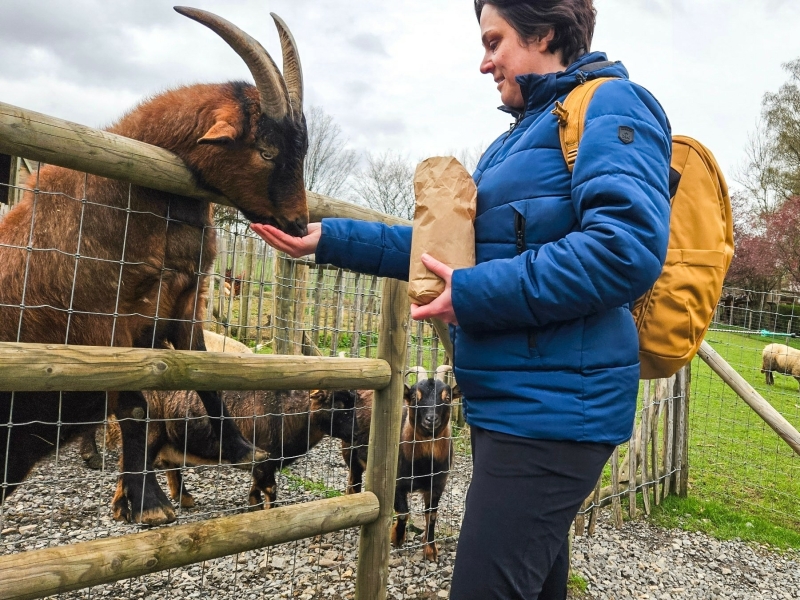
(421, 372)
(270, 83)
(441, 370)
(292, 71)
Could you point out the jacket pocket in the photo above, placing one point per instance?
(519, 231)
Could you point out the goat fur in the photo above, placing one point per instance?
(126, 267)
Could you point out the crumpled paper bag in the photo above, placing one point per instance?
(446, 197)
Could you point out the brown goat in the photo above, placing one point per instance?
(286, 424)
(425, 456)
(90, 261)
(87, 438)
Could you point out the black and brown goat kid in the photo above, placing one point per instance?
(425, 456)
(286, 424)
(126, 266)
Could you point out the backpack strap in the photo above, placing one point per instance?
(572, 117)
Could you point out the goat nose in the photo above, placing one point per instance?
(302, 226)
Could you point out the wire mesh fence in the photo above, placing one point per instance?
(276, 305)
(735, 457)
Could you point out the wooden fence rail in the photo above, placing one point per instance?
(39, 573)
(55, 141)
(52, 367)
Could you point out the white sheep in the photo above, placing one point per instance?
(220, 343)
(782, 359)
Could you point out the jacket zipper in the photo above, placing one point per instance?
(519, 234)
(519, 229)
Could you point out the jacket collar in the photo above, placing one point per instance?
(541, 91)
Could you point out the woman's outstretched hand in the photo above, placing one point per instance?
(293, 246)
(442, 307)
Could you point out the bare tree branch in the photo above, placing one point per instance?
(328, 163)
(386, 184)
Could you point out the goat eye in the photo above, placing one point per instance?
(267, 155)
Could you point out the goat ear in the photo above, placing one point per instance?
(406, 393)
(456, 392)
(221, 132)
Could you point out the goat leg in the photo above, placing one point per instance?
(88, 448)
(355, 467)
(139, 498)
(401, 508)
(263, 481)
(177, 489)
(431, 500)
(235, 449)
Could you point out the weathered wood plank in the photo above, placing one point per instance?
(615, 501)
(647, 403)
(372, 576)
(681, 446)
(51, 367)
(37, 136)
(39, 573)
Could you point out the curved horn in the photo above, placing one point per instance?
(441, 370)
(270, 84)
(292, 71)
(421, 372)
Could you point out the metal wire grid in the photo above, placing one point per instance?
(640, 472)
(338, 312)
(736, 458)
(76, 508)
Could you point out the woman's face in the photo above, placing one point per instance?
(505, 56)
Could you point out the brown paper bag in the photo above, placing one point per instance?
(443, 223)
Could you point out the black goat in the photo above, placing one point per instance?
(425, 456)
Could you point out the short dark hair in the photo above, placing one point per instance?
(572, 22)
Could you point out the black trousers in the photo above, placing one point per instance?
(521, 502)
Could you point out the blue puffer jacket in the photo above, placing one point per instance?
(546, 346)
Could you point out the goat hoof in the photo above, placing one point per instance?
(187, 501)
(398, 539)
(94, 462)
(121, 512)
(431, 553)
(156, 516)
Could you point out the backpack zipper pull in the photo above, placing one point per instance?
(561, 113)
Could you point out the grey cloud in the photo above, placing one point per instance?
(368, 42)
(107, 44)
(358, 89)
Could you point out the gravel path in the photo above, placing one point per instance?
(64, 502)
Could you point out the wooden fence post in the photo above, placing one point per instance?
(373, 547)
(681, 446)
(283, 305)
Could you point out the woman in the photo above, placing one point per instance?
(546, 350)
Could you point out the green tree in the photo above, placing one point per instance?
(771, 171)
(781, 112)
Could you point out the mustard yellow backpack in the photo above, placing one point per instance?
(673, 316)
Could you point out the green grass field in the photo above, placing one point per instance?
(736, 461)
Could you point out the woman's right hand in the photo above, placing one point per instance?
(293, 246)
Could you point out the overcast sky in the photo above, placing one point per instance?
(399, 75)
